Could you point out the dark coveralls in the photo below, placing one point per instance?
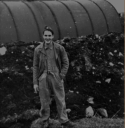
(50, 81)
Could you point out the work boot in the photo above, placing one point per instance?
(68, 125)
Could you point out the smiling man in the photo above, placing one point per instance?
(50, 66)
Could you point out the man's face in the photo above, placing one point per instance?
(48, 37)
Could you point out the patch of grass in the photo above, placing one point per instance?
(100, 123)
(85, 123)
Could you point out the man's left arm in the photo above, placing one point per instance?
(64, 63)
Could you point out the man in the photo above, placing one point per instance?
(50, 65)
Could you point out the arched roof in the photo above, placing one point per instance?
(25, 21)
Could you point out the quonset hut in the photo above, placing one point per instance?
(25, 21)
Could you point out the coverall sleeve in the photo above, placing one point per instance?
(35, 67)
(64, 62)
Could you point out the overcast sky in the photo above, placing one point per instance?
(118, 4)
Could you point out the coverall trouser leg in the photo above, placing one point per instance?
(48, 83)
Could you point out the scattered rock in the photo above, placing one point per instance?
(102, 112)
(89, 112)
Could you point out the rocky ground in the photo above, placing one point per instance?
(96, 70)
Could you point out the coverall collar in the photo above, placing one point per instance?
(42, 48)
(50, 46)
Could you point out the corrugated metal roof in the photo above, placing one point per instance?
(22, 20)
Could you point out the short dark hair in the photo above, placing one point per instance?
(47, 28)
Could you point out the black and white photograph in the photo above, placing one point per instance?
(62, 64)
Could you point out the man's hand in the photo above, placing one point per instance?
(36, 88)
